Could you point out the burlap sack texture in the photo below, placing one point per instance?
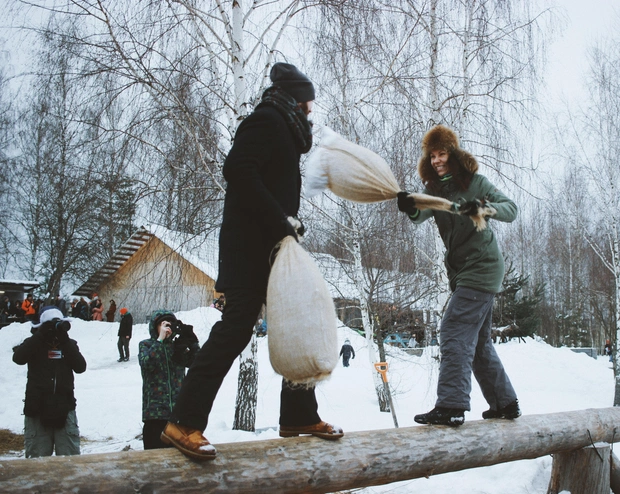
(357, 174)
(303, 338)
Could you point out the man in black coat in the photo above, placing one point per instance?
(260, 208)
(124, 334)
(50, 422)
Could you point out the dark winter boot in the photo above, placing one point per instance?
(510, 411)
(442, 416)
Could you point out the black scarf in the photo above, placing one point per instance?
(296, 119)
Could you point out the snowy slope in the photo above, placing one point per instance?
(109, 397)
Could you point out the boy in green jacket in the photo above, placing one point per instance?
(163, 358)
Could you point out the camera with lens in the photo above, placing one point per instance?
(61, 325)
(55, 329)
(175, 327)
(181, 330)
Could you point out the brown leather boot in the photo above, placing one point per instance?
(322, 430)
(188, 441)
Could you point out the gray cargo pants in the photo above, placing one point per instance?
(466, 346)
(42, 441)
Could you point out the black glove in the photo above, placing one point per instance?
(61, 334)
(45, 331)
(470, 208)
(294, 227)
(186, 333)
(406, 204)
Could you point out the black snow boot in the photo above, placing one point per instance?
(442, 416)
(510, 411)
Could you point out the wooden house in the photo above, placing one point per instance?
(157, 269)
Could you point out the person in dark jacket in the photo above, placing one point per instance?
(5, 309)
(50, 422)
(475, 270)
(124, 334)
(111, 312)
(609, 350)
(61, 303)
(347, 352)
(261, 202)
(82, 309)
(163, 359)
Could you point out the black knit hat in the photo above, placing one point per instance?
(294, 82)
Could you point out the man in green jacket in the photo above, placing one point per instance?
(475, 269)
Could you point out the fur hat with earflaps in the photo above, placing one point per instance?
(441, 137)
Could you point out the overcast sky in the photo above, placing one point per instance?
(586, 21)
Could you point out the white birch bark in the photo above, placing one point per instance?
(433, 76)
(247, 388)
(358, 278)
(238, 62)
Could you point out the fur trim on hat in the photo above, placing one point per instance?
(441, 137)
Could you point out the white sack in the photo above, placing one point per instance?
(357, 174)
(349, 171)
(301, 317)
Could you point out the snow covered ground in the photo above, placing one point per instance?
(109, 397)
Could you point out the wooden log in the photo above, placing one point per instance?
(583, 471)
(615, 474)
(308, 464)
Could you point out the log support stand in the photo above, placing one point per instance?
(583, 471)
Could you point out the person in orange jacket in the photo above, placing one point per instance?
(28, 307)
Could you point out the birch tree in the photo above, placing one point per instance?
(601, 145)
(391, 70)
(53, 179)
(202, 66)
(6, 125)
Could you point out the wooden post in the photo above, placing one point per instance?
(583, 471)
(307, 464)
(615, 474)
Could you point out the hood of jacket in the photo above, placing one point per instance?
(441, 137)
(158, 316)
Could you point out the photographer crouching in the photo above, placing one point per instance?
(50, 422)
(163, 359)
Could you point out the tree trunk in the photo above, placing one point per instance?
(616, 266)
(306, 464)
(584, 471)
(247, 389)
(382, 397)
(432, 70)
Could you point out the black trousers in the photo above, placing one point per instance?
(228, 338)
(151, 432)
(123, 347)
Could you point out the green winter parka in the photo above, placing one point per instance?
(473, 259)
(163, 368)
